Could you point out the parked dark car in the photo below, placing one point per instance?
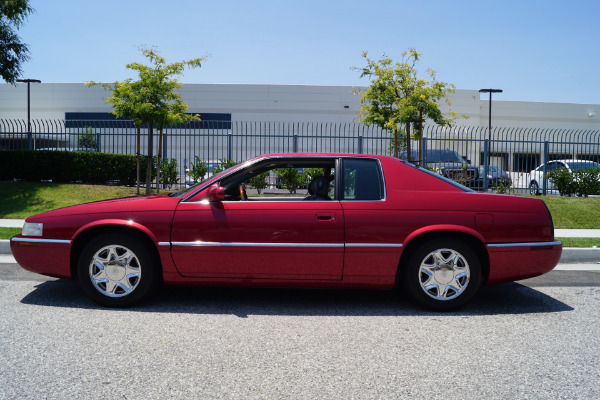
(448, 163)
(496, 176)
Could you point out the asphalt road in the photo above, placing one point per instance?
(536, 339)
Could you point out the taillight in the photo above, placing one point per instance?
(549, 215)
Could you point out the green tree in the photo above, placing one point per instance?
(224, 164)
(197, 169)
(259, 182)
(13, 52)
(397, 97)
(153, 99)
(312, 173)
(291, 178)
(87, 138)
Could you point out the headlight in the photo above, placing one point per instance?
(32, 229)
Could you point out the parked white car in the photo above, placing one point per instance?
(536, 177)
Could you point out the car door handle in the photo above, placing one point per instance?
(326, 217)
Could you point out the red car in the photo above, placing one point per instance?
(366, 222)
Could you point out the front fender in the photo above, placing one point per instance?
(116, 222)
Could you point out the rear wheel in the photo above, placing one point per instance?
(115, 270)
(442, 274)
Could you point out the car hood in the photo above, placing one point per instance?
(161, 202)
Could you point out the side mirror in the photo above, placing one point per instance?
(216, 193)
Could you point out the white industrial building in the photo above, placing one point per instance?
(256, 119)
(294, 103)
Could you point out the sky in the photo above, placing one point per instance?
(534, 50)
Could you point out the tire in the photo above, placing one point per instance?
(534, 188)
(115, 270)
(442, 274)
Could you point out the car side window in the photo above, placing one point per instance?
(362, 179)
(283, 180)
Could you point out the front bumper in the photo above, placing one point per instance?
(49, 257)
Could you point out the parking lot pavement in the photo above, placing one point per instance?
(512, 341)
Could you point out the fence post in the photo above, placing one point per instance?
(486, 163)
(360, 145)
(545, 161)
(295, 144)
(229, 146)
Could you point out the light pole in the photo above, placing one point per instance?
(29, 82)
(487, 153)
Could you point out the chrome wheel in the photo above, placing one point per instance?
(444, 274)
(115, 271)
(118, 269)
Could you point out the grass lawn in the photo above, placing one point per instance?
(23, 199)
(573, 212)
(7, 233)
(580, 242)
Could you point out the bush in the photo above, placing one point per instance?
(69, 166)
(198, 169)
(562, 181)
(169, 174)
(581, 182)
(587, 180)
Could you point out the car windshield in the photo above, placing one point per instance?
(583, 165)
(197, 185)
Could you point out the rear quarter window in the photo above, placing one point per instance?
(362, 179)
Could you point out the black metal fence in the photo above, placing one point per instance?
(513, 150)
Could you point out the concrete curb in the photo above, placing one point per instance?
(569, 255)
(5, 247)
(577, 255)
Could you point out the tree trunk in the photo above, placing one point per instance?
(159, 156)
(149, 165)
(396, 141)
(408, 154)
(421, 138)
(137, 152)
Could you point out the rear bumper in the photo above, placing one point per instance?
(43, 256)
(516, 261)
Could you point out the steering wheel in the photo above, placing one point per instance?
(243, 195)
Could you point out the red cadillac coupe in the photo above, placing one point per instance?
(364, 222)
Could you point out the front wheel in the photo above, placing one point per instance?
(442, 274)
(115, 270)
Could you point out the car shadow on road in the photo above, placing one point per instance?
(508, 298)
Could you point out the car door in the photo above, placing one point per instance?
(259, 239)
(373, 232)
